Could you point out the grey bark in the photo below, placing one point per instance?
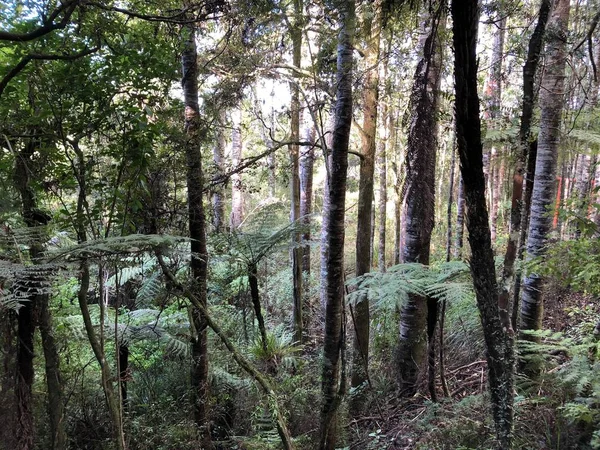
(544, 189)
(364, 233)
(419, 314)
(237, 207)
(218, 196)
(333, 382)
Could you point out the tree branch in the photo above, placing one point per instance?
(48, 25)
(23, 63)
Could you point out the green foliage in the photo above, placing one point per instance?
(448, 281)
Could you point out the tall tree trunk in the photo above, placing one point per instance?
(551, 103)
(460, 218)
(360, 350)
(383, 198)
(517, 200)
(449, 207)
(218, 197)
(237, 206)
(499, 345)
(36, 305)
(297, 251)
(96, 342)
(197, 227)
(307, 162)
(332, 379)
(419, 314)
(492, 112)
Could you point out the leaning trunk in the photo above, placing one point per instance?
(499, 345)
(332, 379)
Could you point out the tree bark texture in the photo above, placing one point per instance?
(35, 311)
(237, 201)
(544, 189)
(419, 196)
(499, 345)
(197, 229)
(218, 196)
(517, 198)
(307, 162)
(460, 218)
(371, 26)
(386, 139)
(332, 381)
(297, 251)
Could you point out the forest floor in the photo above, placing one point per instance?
(462, 420)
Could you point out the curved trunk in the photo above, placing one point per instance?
(544, 189)
(419, 314)
(499, 345)
(333, 383)
(197, 228)
(360, 348)
(517, 199)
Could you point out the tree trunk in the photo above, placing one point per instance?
(460, 218)
(307, 162)
(493, 93)
(237, 208)
(218, 197)
(499, 345)
(517, 200)
(297, 251)
(36, 305)
(255, 296)
(384, 144)
(197, 228)
(449, 207)
(371, 26)
(551, 103)
(111, 397)
(419, 314)
(333, 382)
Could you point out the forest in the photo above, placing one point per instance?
(303, 224)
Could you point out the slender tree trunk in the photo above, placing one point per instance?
(324, 253)
(385, 144)
(364, 232)
(492, 111)
(36, 305)
(255, 296)
(197, 228)
(517, 200)
(237, 209)
(333, 382)
(297, 251)
(499, 345)
(460, 218)
(218, 197)
(551, 103)
(449, 208)
(307, 161)
(419, 314)
(96, 342)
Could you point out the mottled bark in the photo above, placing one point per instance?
(544, 189)
(35, 311)
(419, 314)
(460, 218)
(296, 252)
(333, 383)
(197, 228)
(518, 214)
(371, 25)
(499, 345)
(237, 208)
(383, 197)
(307, 162)
(218, 196)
